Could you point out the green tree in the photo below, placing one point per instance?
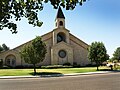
(34, 52)
(1, 48)
(111, 59)
(97, 53)
(116, 55)
(107, 57)
(15, 10)
(5, 47)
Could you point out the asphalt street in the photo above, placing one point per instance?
(109, 81)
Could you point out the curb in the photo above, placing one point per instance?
(40, 76)
(16, 77)
(89, 73)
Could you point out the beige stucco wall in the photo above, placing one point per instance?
(55, 59)
(11, 52)
(80, 51)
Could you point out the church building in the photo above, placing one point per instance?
(62, 47)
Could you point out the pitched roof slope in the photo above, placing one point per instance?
(78, 41)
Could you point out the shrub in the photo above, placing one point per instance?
(1, 63)
(66, 64)
(91, 65)
(51, 66)
(19, 67)
(26, 66)
(55, 67)
(5, 67)
(75, 64)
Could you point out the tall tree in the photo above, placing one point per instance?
(5, 47)
(11, 10)
(1, 48)
(34, 52)
(116, 54)
(107, 57)
(97, 53)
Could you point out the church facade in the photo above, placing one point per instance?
(62, 47)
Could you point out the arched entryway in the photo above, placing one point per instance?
(10, 60)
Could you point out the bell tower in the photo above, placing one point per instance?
(60, 19)
(60, 33)
(61, 51)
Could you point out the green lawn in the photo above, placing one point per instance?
(20, 72)
(118, 67)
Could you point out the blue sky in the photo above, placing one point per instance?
(96, 20)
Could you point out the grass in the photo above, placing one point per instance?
(118, 68)
(21, 72)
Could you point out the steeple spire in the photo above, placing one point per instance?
(60, 13)
(60, 19)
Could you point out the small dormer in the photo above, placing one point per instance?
(60, 19)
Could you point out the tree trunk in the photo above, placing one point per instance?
(34, 69)
(97, 66)
(111, 66)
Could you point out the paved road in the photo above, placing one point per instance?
(81, 82)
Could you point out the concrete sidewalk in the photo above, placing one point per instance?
(57, 75)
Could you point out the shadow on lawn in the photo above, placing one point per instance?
(104, 70)
(48, 74)
(109, 70)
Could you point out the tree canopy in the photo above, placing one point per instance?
(116, 55)
(11, 10)
(4, 47)
(34, 52)
(97, 53)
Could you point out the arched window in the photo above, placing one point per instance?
(61, 23)
(10, 60)
(61, 37)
